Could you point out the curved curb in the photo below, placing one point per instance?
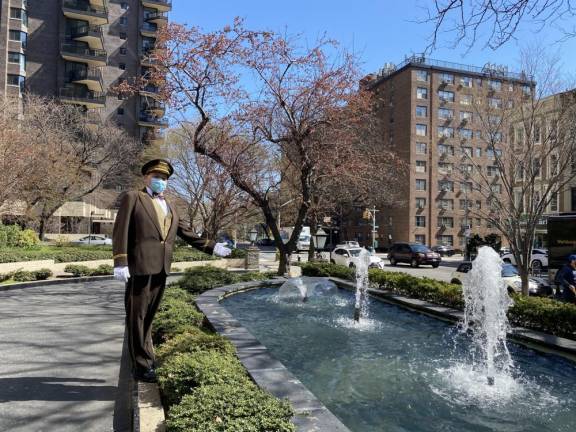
(266, 371)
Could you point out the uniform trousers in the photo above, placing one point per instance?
(142, 298)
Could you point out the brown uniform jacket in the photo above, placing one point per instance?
(137, 239)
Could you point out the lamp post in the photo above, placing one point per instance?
(252, 261)
(320, 239)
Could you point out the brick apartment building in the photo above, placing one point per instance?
(76, 50)
(429, 116)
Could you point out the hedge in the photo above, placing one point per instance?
(542, 314)
(199, 279)
(26, 276)
(81, 270)
(203, 385)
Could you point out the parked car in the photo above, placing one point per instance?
(349, 256)
(303, 243)
(444, 250)
(265, 242)
(93, 240)
(538, 260)
(415, 254)
(510, 276)
(348, 244)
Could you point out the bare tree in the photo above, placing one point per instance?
(530, 136)
(499, 20)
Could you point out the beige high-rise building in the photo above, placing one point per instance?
(76, 50)
(430, 121)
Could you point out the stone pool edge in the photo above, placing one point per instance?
(533, 339)
(266, 371)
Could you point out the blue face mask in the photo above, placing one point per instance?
(158, 185)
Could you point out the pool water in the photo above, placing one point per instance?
(402, 371)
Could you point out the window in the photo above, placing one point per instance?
(446, 96)
(554, 203)
(445, 167)
(510, 103)
(421, 93)
(15, 80)
(20, 14)
(478, 205)
(420, 185)
(495, 85)
(421, 75)
(445, 113)
(124, 5)
(420, 166)
(466, 151)
(553, 165)
(466, 186)
(446, 240)
(446, 185)
(445, 149)
(120, 111)
(467, 169)
(527, 90)
(491, 153)
(510, 87)
(122, 66)
(494, 120)
(18, 36)
(465, 99)
(421, 148)
(465, 134)
(421, 129)
(478, 134)
(123, 35)
(492, 170)
(465, 203)
(420, 203)
(446, 204)
(445, 132)
(421, 221)
(446, 78)
(123, 21)
(496, 188)
(495, 102)
(18, 58)
(536, 167)
(478, 82)
(466, 81)
(478, 152)
(465, 116)
(421, 111)
(445, 222)
(420, 238)
(123, 51)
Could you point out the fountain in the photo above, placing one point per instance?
(362, 282)
(487, 302)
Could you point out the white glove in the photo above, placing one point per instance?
(121, 274)
(221, 250)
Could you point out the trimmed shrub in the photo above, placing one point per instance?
(23, 276)
(28, 239)
(190, 254)
(175, 316)
(180, 374)
(43, 274)
(327, 269)
(200, 279)
(238, 253)
(5, 277)
(230, 408)
(78, 270)
(194, 340)
(102, 270)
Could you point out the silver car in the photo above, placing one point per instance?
(93, 239)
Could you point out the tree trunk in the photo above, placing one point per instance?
(284, 265)
(42, 228)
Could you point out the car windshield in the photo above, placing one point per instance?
(420, 248)
(304, 238)
(508, 270)
(354, 252)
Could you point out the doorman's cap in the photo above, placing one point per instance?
(158, 165)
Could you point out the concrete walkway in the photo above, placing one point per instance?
(60, 359)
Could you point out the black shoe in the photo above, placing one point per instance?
(146, 375)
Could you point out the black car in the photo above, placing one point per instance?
(444, 250)
(413, 253)
(266, 242)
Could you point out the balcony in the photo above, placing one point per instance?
(78, 96)
(147, 120)
(84, 11)
(158, 18)
(90, 77)
(160, 5)
(147, 58)
(150, 91)
(92, 35)
(83, 54)
(149, 30)
(155, 108)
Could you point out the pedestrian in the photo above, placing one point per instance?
(565, 279)
(143, 241)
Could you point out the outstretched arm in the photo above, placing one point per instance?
(186, 234)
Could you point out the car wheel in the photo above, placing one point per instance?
(455, 281)
(435, 265)
(536, 266)
(507, 260)
(414, 262)
(392, 261)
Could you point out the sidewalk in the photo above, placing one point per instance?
(60, 359)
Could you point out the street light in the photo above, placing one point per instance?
(253, 234)
(320, 239)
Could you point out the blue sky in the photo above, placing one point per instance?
(379, 31)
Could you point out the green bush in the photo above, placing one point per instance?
(5, 277)
(194, 340)
(190, 254)
(175, 316)
(542, 314)
(23, 276)
(43, 274)
(9, 235)
(28, 239)
(78, 270)
(175, 270)
(200, 279)
(180, 374)
(102, 270)
(238, 253)
(230, 408)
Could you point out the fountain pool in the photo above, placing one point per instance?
(397, 370)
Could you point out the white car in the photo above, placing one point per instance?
(510, 276)
(349, 244)
(349, 256)
(303, 243)
(538, 260)
(93, 240)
